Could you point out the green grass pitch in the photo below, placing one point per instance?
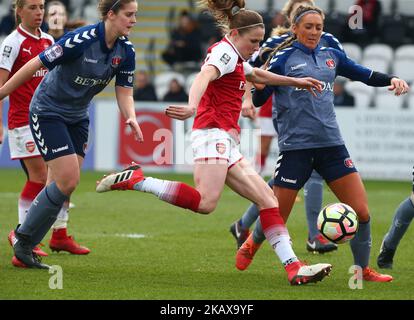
(187, 256)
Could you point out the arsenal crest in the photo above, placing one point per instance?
(30, 146)
(220, 147)
(330, 63)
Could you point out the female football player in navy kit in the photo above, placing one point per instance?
(216, 97)
(80, 65)
(309, 136)
(26, 42)
(313, 188)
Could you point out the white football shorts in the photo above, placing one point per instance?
(22, 144)
(214, 144)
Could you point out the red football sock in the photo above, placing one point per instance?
(31, 190)
(181, 195)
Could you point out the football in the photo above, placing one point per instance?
(338, 222)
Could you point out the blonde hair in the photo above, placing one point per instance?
(231, 14)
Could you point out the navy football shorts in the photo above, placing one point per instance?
(56, 138)
(294, 167)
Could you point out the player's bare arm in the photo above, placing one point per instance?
(207, 74)
(20, 77)
(124, 97)
(262, 76)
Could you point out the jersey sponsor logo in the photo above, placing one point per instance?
(349, 163)
(225, 58)
(29, 51)
(88, 82)
(30, 146)
(326, 86)
(298, 66)
(40, 73)
(330, 63)
(220, 147)
(116, 61)
(53, 52)
(7, 51)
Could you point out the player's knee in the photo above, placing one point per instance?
(68, 185)
(207, 205)
(363, 213)
(267, 199)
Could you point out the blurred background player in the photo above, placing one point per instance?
(309, 135)
(56, 20)
(216, 97)
(26, 42)
(313, 188)
(400, 223)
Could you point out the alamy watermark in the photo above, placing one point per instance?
(356, 281)
(56, 280)
(356, 19)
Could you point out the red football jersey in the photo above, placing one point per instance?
(220, 105)
(266, 109)
(16, 50)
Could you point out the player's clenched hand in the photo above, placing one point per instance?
(309, 84)
(136, 129)
(399, 86)
(248, 109)
(179, 112)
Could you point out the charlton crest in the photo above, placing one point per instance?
(115, 61)
(220, 147)
(349, 163)
(330, 63)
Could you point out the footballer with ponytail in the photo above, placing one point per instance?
(216, 98)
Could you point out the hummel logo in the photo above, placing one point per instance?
(288, 180)
(27, 50)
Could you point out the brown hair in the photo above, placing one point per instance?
(105, 6)
(231, 14)
(287, 43)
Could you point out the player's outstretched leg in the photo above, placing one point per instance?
(124, 180)
(132, 178)
(240, 229)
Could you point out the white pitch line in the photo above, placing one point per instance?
(131, 235)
